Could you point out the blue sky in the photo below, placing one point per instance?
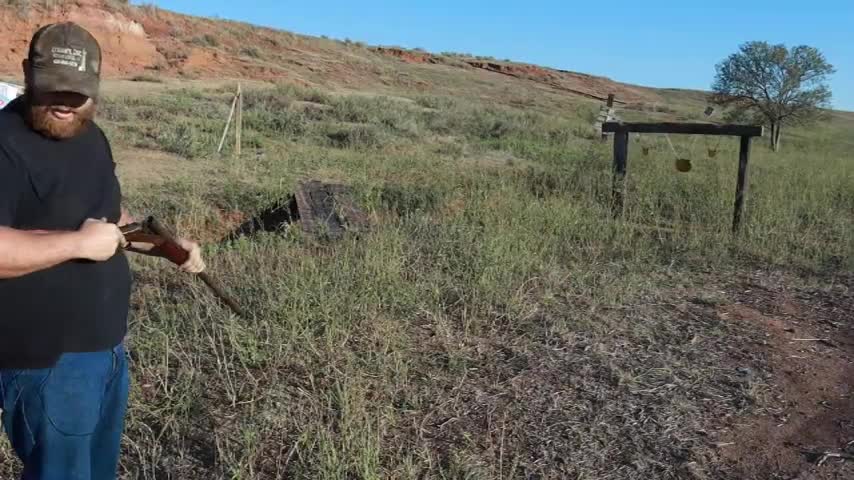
(655, 43)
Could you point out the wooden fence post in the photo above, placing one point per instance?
(621, 154)
(605, 114)
(741, 186)
(227, 124)
(238, 140)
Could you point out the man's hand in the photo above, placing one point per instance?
(99, 240)
(194, 264)
(126, 218)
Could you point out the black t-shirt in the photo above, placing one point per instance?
(79, 305)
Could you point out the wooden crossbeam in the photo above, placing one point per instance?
(684, 128)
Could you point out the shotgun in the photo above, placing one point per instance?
(151, 231)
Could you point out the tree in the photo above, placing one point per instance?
(775, 84)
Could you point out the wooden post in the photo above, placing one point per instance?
(741, 186)
(239, 122)
(227, 124)
(607, 111)
(240, 145)
(621, 154)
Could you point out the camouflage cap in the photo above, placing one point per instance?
(65, 57)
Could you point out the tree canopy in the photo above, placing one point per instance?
(779, 85)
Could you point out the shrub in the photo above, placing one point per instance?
(146, 78)
(251, 52)
(206, 40)
(357, 137)
(181, 138)
(278, 122)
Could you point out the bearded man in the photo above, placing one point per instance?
(64, 279)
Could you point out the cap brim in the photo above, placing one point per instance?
(65, 80)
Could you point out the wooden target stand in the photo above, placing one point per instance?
(621, 133)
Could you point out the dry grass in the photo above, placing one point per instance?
(497, 322)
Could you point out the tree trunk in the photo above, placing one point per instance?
(777, 138)
(773, 143)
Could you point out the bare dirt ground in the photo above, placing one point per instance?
(139, 166)
(785, 358)
(807, 346)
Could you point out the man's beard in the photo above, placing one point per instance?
(42, 120)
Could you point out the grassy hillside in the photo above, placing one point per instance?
(146, 41)
(496, 322)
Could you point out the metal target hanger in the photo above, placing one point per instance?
(711, 151)
(683, 164)
(646, 147)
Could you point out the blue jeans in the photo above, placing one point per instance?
(66, 422)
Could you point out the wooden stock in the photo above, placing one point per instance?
(168, 249)
(151, 231)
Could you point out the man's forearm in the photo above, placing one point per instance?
(23, 252)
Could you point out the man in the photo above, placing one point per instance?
(64, 278)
